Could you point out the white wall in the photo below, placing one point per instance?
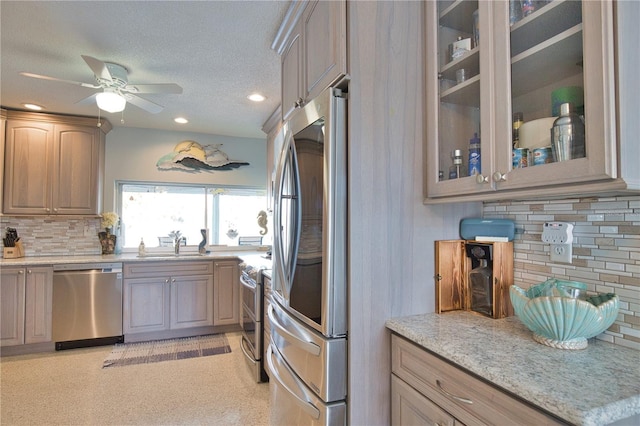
(131, 154)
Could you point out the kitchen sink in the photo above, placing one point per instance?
(171, 255)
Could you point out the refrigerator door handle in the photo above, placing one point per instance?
(307, 406)
(307, 346)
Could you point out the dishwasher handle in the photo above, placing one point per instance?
(85, 267)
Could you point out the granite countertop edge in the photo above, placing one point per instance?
(503, 352)
(127, 257)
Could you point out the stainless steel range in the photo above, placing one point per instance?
(252, 295)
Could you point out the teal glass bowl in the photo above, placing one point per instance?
(561, 314)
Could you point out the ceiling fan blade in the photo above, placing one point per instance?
(88, 100)
(154, 88)
(46, 77)
(144, 104)
(98, 67)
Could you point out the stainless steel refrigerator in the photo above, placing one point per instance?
(307, 356)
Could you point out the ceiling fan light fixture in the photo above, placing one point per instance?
(111, 101)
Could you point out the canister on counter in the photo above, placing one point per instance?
(542, 156)
(520, 157)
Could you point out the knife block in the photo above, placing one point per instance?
(13, 252)
(453, 284)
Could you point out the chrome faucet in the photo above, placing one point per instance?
(177, 239)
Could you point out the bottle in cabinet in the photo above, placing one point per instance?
(519, 67)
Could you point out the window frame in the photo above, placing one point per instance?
(208, 216)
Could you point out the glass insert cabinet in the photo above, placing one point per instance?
(497, 73)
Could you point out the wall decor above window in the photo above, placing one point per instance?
(190, 156)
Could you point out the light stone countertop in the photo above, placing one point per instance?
(130, 257)
(594, 386)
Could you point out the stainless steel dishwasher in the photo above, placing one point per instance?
(87, 305)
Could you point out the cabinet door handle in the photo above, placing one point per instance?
(166, 281)
(482, 179)
(29, 271)
(299, 103)
(499, 177)
(173, 280)
(452, 396)
(20, 272)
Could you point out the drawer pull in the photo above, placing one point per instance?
(457, 398)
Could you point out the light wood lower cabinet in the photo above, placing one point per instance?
(427, 390)
(167, 296)
(226, 292)
(26, 296)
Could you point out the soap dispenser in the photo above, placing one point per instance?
(141, 248)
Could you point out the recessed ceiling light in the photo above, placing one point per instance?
(181, 120)
(33, 107)
(256, 97)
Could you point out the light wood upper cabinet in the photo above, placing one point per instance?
(516, 68)
(275, 138)
(292, 73)
(325, 45)
(53, 167)
(313, 47)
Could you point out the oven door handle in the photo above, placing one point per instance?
(307, 346)
(248, 284)
(246, 354)
(306, 405)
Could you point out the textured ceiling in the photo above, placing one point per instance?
(218, 51)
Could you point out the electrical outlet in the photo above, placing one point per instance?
(561, 253)
(557, 233)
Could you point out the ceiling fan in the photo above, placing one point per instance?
(116, 90)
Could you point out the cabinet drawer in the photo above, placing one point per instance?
(162, 269)
(409, 407)
(470, 400)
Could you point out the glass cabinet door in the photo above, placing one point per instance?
(456, 67)
(488, 62)
(558, 53)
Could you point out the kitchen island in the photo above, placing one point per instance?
(595, 386)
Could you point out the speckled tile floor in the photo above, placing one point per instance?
(71, 388)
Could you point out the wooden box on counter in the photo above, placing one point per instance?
(13, 252)
(452, 283)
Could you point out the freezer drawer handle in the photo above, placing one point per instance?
(310, 347)
(246, 354)
(307, 406)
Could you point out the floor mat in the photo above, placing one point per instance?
(166, 350)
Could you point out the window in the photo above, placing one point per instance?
(151, 211)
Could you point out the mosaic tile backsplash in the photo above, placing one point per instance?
(606, 251)
(51, 236)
